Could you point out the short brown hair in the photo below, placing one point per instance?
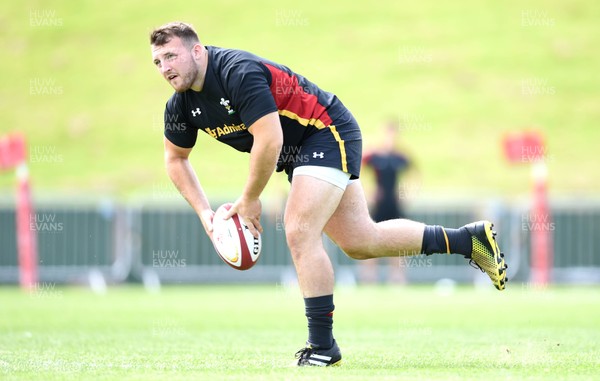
(165, 33)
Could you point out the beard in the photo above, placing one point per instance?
(185, 80)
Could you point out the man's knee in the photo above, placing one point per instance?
(358, 243)
(299, 236)
(356, 246)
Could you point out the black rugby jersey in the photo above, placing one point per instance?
(388, 167)
(239, 88)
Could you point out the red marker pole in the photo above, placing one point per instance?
(15, 155)
(541, 227)
(528, 147)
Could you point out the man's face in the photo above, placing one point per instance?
(176, 64)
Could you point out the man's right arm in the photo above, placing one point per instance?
(184, 177)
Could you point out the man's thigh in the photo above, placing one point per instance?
(351, 223)
(311, 203)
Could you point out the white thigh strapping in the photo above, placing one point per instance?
(333, 176)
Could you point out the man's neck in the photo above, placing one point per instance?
(199, 82)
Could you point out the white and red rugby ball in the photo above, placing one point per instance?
(233, 241)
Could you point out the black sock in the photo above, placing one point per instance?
(319, 312)
(437, 239)
(460, 241)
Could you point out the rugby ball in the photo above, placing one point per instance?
(233, 241)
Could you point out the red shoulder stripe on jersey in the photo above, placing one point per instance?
(294, 102)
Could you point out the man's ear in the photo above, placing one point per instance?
(197, 51)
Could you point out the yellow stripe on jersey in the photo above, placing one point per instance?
(320, 125)
(303, 121)
(337, 137)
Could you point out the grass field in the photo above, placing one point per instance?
(80, 84)
(251, 333)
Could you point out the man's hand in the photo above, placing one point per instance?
(206, 217)
(249, 210)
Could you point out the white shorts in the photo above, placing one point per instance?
(333, 176)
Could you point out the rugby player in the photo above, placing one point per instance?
(261, 107)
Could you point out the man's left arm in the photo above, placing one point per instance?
(268, 139)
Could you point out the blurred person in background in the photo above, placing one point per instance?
(389, 164)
